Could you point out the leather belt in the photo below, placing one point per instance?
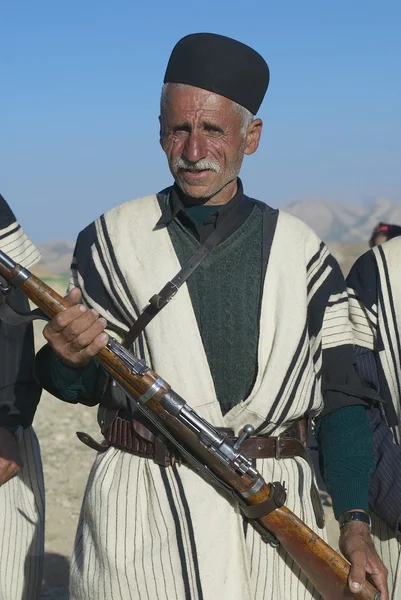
(273, 447)
(134, 437)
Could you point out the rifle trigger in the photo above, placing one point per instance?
(4, 289)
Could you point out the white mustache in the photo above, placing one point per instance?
(200, 165)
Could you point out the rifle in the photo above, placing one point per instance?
(211, 453)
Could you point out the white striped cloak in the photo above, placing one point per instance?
(22, 510)
(147, 532)
(13, 239)
(22, 505)
(375, 311)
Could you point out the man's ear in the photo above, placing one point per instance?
(160, 131)
(253, 136)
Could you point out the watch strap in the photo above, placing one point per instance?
(355, 515)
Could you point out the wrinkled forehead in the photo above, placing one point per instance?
(182, 100)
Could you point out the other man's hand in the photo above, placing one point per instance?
(76, 334)
(357, 546)
(10, 458)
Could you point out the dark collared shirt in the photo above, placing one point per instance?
(191, 215)
(19, 391)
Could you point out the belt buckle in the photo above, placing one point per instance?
(278, 448)
(172, 292)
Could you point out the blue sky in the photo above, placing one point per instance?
(80, 92)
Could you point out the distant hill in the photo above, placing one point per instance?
(56, 259)
(346, 228)
(345, 222)
(346, 254)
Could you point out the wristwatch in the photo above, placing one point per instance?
(356, 515)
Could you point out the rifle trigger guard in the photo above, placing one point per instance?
(4, 289)
(267, 536)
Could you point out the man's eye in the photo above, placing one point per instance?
(180, 129)
(213, 130)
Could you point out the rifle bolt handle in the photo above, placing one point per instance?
(247, 431)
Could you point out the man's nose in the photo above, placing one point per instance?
(195, 147)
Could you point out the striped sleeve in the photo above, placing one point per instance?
(336, 330)
(342, 389)
(327, 301)
(13, 240)
(328, 321)
(362, 283)
(92, 271)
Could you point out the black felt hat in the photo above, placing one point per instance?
(221, 65)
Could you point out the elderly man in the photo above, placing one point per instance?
(21, 477)
(259, 334)
(375, 301)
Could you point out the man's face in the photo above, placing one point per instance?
(203, 141)
(380, 238)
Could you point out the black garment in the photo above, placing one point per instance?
(366, 367)
(364, 279)
(178, 207)
(341, 383)
(385, 488)
(385, 491)
(19, 391)
(7, 217)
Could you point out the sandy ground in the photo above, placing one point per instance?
(67, 463)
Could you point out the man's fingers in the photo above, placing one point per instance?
(357, 545)
(378, 574)
(380, 581)
(356, 576)
(81, 325)
(63, 319)
(94, 347)
(60, 321)
(87, 336)
(72, 331)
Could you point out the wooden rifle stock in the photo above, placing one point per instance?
(325, 568)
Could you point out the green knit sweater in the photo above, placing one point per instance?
(229, 324)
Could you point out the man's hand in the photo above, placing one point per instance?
(10, 459)
(357, 546)
(76, 334)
